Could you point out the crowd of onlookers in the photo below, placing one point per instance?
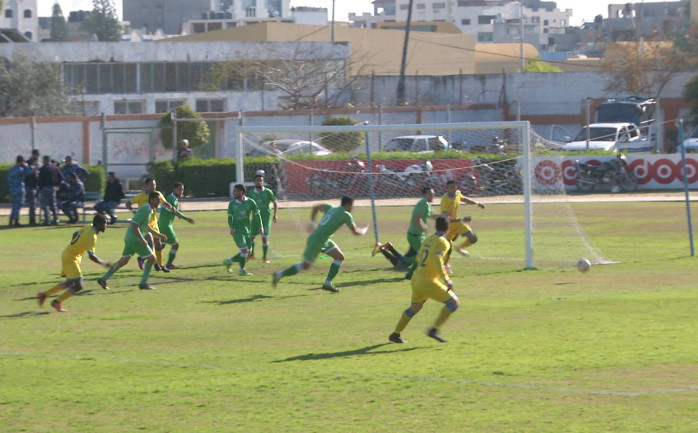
(46, 186)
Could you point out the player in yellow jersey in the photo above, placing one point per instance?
(139, 200)
(427, 283)
(84, 240)
(449, 209)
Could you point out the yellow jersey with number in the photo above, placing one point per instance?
(430, 258)
(83, 240)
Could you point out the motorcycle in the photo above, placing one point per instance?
(491, 179)
(613, 174)
(349, 178)
(409, 181)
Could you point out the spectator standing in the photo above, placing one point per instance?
(113, 193)
(31, 185)
(50, 179)
(184, 152)
(15, 180)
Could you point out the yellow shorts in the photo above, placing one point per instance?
(71, 268)
(423, 289)
(457, 229)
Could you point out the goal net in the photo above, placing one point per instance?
(528, 219)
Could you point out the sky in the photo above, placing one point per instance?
(582, 11)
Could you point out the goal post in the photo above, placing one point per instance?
(380, 164)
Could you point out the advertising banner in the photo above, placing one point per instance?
(651, 171)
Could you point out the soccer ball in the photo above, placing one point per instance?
(583, 265)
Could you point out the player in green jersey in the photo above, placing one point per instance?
(266, 202)
(415, 234)
(430, 281)
(241, 211)
(319, 241)
(166, 222)
(135, 242)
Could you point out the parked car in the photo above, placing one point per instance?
(417, 143)
(612, 137)
(289, 147)
(690, 143)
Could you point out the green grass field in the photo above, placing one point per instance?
(550, 350)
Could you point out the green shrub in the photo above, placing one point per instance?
(341, 141)
(97, 178)
(4, 187)
(196, 132)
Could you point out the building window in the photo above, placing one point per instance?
(546, 22)
(28, 35)
(437, 6)
(485, 19)
(27, 13)
(210, 105)
(465, 22)
(163, 106)
(128, 107)
(402, 7)
(545, 30)
(8, 13)
(85, 108)
(421, 6)
(535, 20)
(485, 37)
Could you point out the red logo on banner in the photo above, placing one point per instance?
(547, 172)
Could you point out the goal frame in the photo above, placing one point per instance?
(524, 126)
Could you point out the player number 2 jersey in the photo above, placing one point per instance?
(430, 257)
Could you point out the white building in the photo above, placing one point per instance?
(476, 17)
(21, 15)
(154, 77)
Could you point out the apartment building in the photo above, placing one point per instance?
(488, 20)
(22, 16)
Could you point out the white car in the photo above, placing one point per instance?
(612, 137)
(417, 143)
(691, 142)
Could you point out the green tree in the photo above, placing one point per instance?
(103, 22)
(30, 88)
(642, 68)
(341, 141)
(196, 132)
(690, 93)
(59, 28)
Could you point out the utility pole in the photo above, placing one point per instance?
(333, 21)
(523, 66)
(401, 80)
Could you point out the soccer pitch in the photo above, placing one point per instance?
(551, 350)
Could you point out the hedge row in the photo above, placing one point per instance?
(95, 181)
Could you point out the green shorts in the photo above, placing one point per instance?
(313, 249)
(242, 239)
(266, 225)
(135, 248)
(416, 241)
(168, 231)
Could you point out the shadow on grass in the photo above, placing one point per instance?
(252, 298)
(362, 351)
(24, 314)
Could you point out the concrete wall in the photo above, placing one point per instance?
(546, 100)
